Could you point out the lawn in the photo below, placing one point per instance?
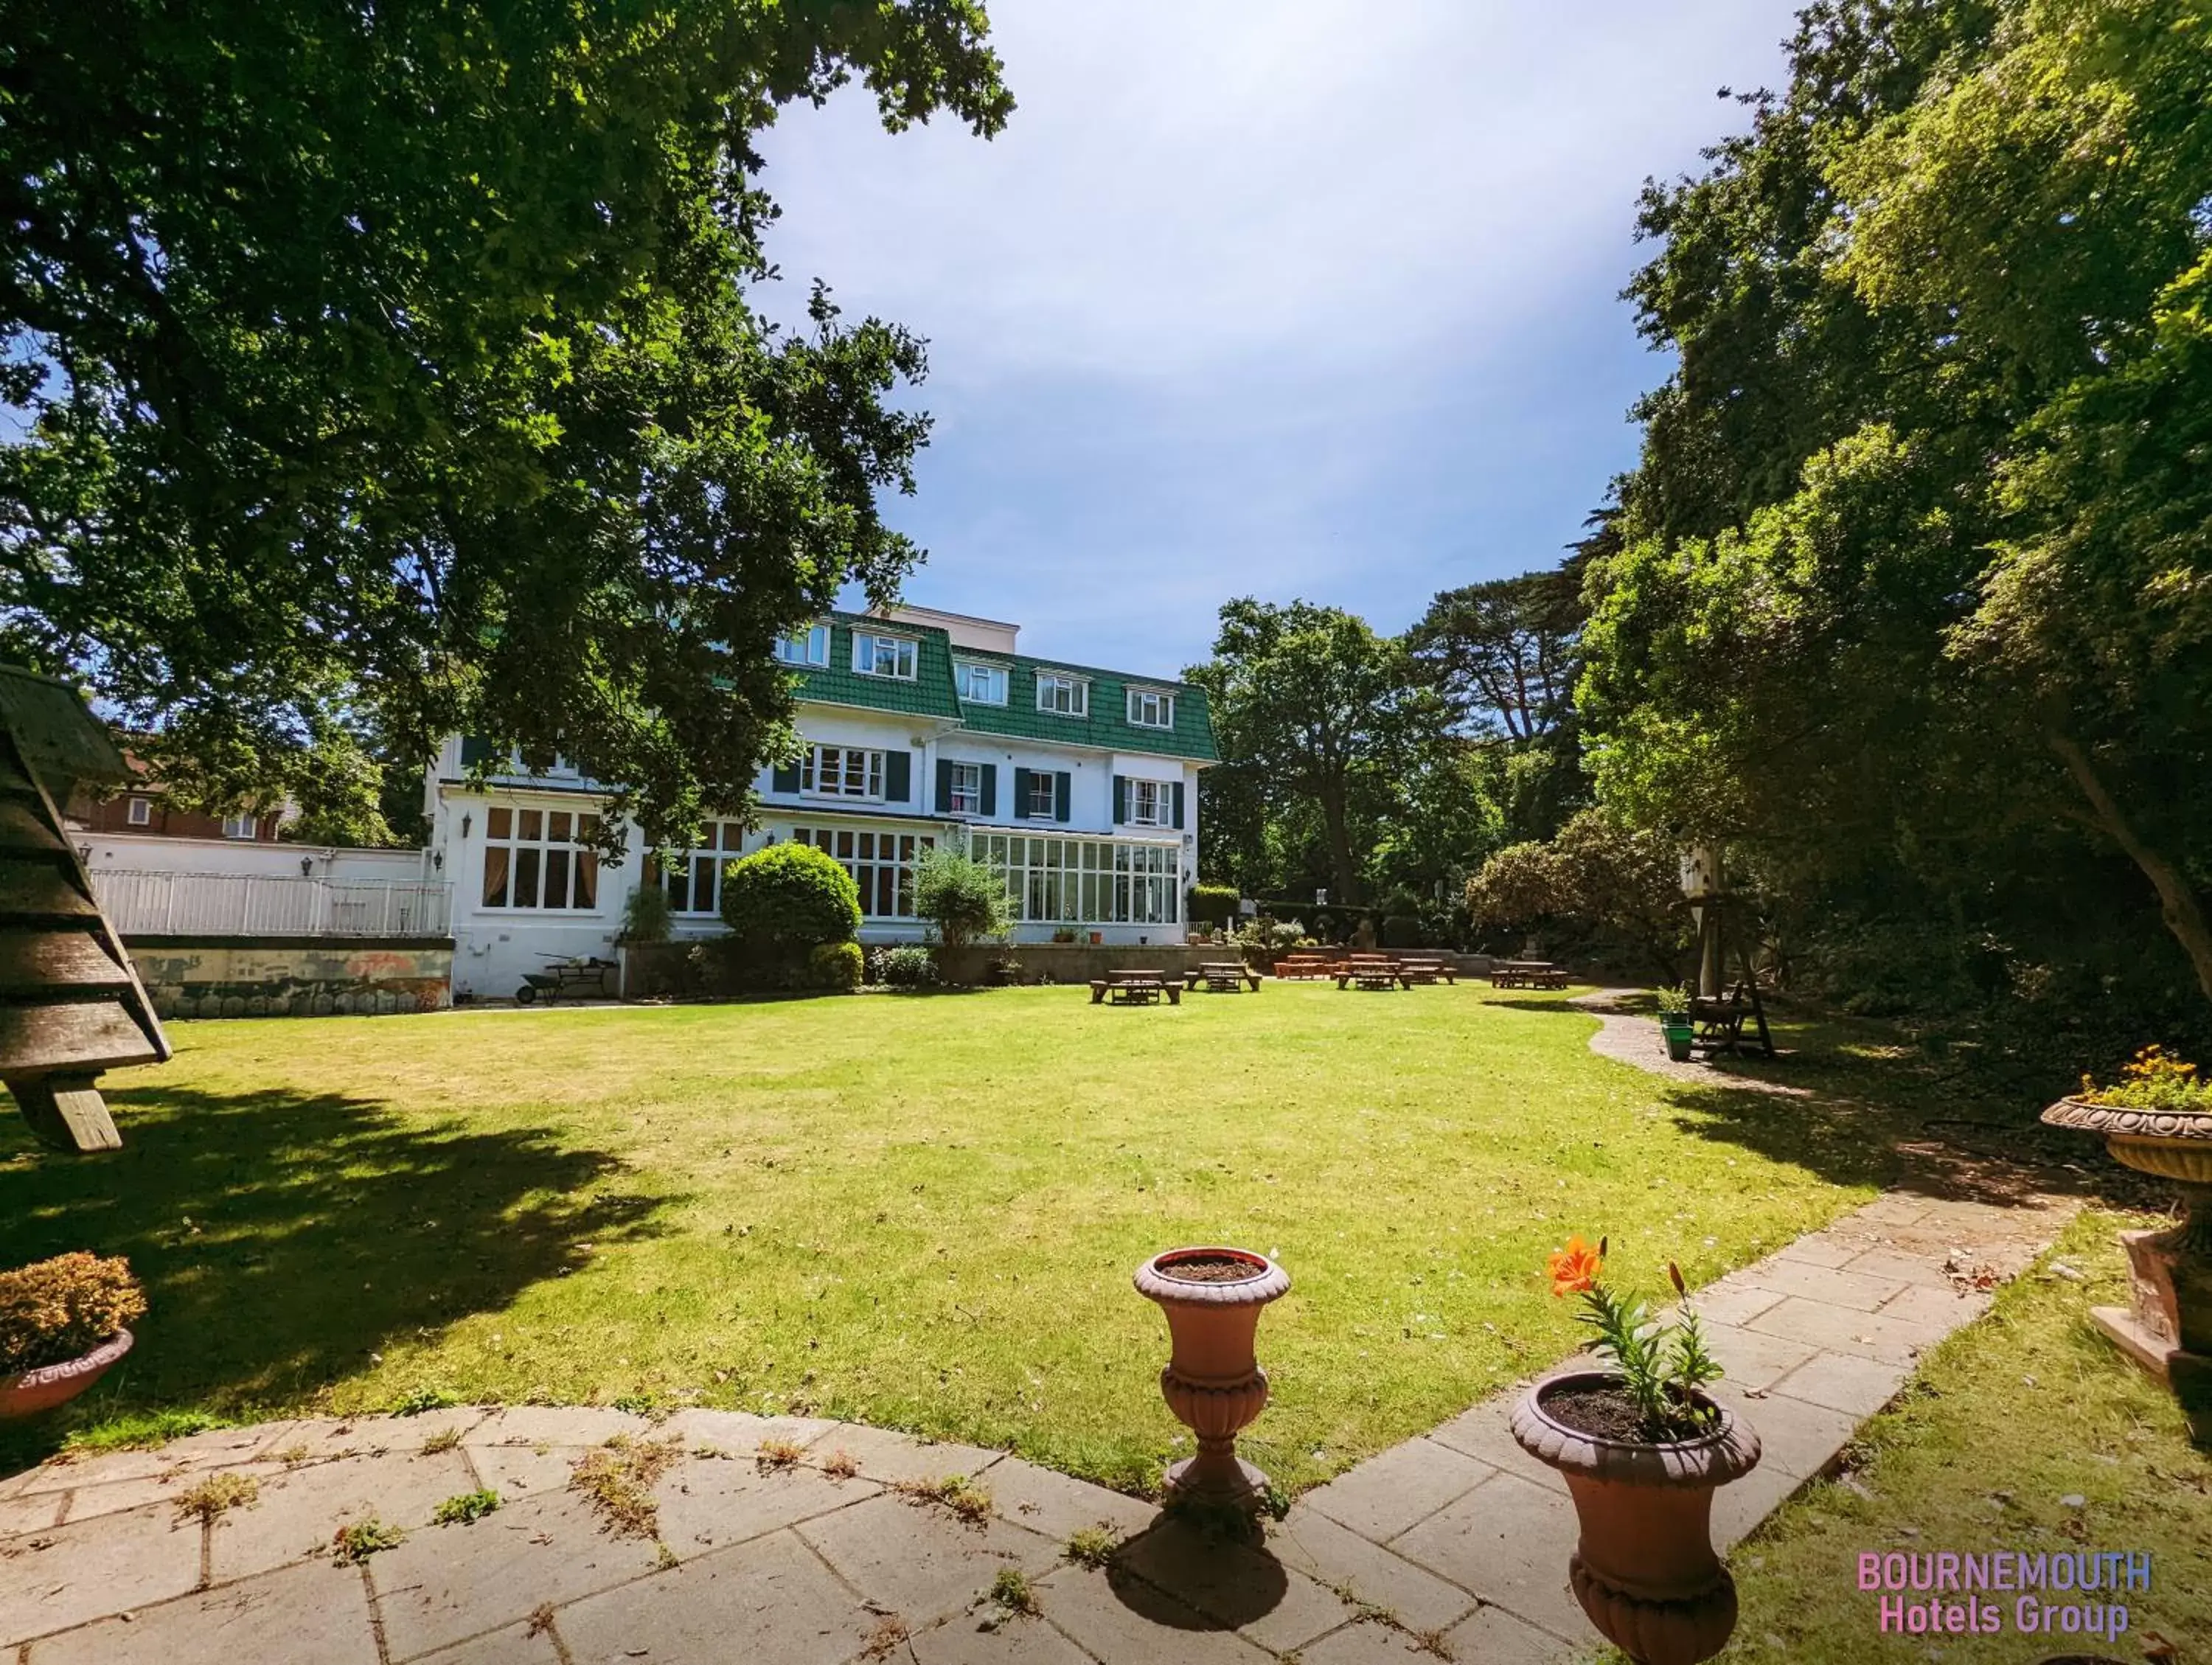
(2025, 1431)
(916, 1211)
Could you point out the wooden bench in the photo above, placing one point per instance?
(1296, 968)
(1719, 1022)
(1135, 988)
(1527, 974)
(1371, 971)
(1428, 968)
(1222, 977)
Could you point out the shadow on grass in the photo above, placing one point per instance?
(283, 1237)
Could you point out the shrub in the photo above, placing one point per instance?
(1005, 972)
(2155, 1080)
(909, 965)
(1402, 931)
(962, 897)
(645, 915)
(53, 1311)
(837, 966)
(784, 899)
(1213, 904)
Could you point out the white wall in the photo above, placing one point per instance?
(150, 853)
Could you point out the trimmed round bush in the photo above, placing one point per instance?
(836, 966)
(788, 897)
(1402, 931)
(910, 965)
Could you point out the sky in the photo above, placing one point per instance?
(1308, 298)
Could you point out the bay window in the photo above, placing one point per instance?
(540, 858)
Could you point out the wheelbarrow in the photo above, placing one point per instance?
(560, 975)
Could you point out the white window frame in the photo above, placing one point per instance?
(1044, 796)
(530, 832)
(1051, 684)
(1052, 880)
(993, 679)
(1163, 794)
(699, 870)
(809, 647)
(240, 826)
(138, 812)
(1157, 700)
(852, 773)
(964, 793)
(869, 648)
(881, 862)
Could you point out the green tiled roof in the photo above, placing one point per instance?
(1106, 727)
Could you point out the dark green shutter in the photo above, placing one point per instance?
(990, 789)
(943, 786)
(1021, 807)
(1120, 799)
(898, 777)
(1178, 806)
(1063, 792)
(786, 777)
(473, 750)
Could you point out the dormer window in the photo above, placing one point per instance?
(807, 647)
(1151, 708)
(1065, 696)
(883, 656)
(980, 685)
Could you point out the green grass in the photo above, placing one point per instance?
(916, 1212)
(2002, 1423)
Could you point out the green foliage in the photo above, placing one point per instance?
(780, 902)
(394, 371)
(141, 1431)
(356, 1540)
(1661, 1365)
(1600, 872)
(1401, 931)
(836, 966)
(56, 1309)
(965, 899)
(2153, 1080)
(1908, 599)
(416, 1401)
(646, 915)
(1673, 1001)
(1214, 904)
(909, 965)
(464, 1509)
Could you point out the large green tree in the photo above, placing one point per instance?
(1917, 566)
(390, 369)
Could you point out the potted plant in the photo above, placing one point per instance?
(63, 1323)
(1214, 1383)
(1675, 1021)
(2157, 1118)
(1643, 1448)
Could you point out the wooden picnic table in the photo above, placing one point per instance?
(1720, 1021)
(1222, 977)
(1527, 974)
(1428, 968)
(1293, 968)
(1135, 987)
(1371, 971)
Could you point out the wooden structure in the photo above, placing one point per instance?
(1428, 968)
(1305, 967)
(71, 1003)
(1371, 971)
(1527, 974)
(1222, 977)
(564, 974)
(1721, 1009)
(1135, 987)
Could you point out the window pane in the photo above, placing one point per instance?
(704, 871)
(494, 884)
(733, 835)
(499, 822)
(557, 826)
(587, 829)
(678, 877)
(556, 878)
(533, 825)
(526, 875)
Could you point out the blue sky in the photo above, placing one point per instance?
(1309, 298)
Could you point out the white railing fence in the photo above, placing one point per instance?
(160, 904)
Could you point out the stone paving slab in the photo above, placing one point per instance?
(314, 1611)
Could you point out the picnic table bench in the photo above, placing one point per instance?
(1719, 1021)
(1428, 968)
(1293, 968)
(1222, 977)
(1134, 987)
(1371, 971)
(1527, 974)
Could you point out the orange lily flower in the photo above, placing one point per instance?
(1575, 1268)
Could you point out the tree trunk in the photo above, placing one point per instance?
(1341, 860)
(2177, 898)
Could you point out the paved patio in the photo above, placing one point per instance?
(716, 1536)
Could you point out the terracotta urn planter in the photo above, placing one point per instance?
(49, 1385)
(2166, 1326)
(1214, 1383)
(1644, 1569)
